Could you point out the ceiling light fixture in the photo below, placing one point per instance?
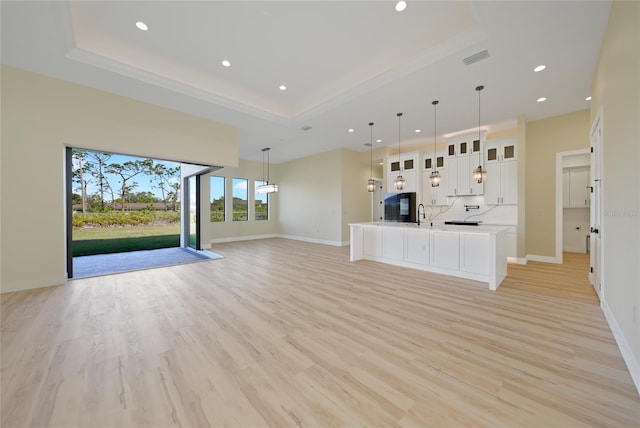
(479, 174)
(350, 130)
(371, 183)
(588, 98)
(541, 99)
(435, 178)
(399, 181)
(539, 68)
(283, 88)
(418, 131)
(267, 187)
(401, 5)
(226, 63)
(142, 26)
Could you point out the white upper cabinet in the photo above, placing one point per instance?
(502, 150)
(434, 195)
(407, 166)
(501, 185)
(463, 155)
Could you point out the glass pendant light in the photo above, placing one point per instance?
(479, 174)
(435, 178)
(399, 181)
(267, 187)
(371, 184)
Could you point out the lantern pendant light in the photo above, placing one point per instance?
(479, 174)
(267, 187)
(435, 178)
(371, 184)
(399, 181)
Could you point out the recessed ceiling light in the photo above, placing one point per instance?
(283, 88)
(588, 98)
(351, 130)
(378, 140)
(381, 163)
(401, 5)
(541, 99)
(142, 26)
(226, 63)
(539, 68)
(418, 131)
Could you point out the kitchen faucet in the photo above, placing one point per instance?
(424, 215)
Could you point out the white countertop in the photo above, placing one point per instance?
(438, 226)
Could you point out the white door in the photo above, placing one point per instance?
(595, 274)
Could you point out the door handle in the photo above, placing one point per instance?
(594, 230)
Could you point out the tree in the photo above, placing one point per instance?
(174, 194)
(127, 171)
(79, 160)
(165, 178)
(98, 168)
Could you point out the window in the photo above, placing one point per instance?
(217, 199)
(261, 202)
(240, 199)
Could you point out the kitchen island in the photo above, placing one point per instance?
(472, 252)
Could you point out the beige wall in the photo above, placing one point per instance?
(544, 138)
(228, 230)
(310, 197)
(321, 194)
(40, 116)
(356, 200)
(522, 196)
(616, 90)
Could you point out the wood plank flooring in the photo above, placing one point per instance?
(286, 333)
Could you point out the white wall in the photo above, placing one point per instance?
(40, 117)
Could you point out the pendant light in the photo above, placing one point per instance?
(435, 178)
(399, 181)
(479, 174)
(371, 184)
(267, 187)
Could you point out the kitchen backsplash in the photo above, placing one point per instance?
(488, 214)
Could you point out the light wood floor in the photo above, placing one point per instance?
(285, 333)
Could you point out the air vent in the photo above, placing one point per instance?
(476, 57)
(306, 128)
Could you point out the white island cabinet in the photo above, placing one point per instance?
(473, 252)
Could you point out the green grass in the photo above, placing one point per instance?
(122, 239)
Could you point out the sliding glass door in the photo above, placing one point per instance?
(193, 185)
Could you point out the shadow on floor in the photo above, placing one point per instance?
(105, 264)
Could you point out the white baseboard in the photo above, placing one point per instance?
(314, 240)
(544, 259)
(8, 287)
(242, 238)
(632, 363)
(517, 260)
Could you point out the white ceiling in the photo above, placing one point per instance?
(345, 63)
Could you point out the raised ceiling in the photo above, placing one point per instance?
(344, 63)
